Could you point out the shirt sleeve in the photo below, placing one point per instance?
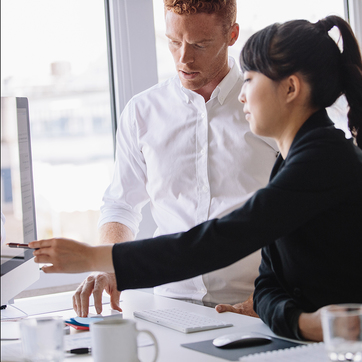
(273, 305)
(126, 195)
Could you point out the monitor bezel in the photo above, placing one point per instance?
(17, 277)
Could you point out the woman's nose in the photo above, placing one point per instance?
(241, 97)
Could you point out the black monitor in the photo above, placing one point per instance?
(18, 269)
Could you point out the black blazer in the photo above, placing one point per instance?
(307, 221)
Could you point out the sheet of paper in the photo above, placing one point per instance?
(79, 340)
(310, 352)
(10, 331)
(12, 351)
(50, 303)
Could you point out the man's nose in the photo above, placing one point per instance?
(187, 54)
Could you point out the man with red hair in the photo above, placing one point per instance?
(185, 147)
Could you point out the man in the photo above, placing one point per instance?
(185, 146)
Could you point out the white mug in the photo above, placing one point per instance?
(115, 340)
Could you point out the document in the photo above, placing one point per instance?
(308, 352)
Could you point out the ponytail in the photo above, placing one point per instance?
(351, 71)
(280, 50)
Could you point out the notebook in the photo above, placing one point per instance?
(308, 352)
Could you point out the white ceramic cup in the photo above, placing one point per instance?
(42, 339)
(342, 331)
(115, 340)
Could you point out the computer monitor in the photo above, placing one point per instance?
(18, 269)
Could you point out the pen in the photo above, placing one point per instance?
(83, 350)
(17, 245)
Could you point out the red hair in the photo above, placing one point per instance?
(224, 9)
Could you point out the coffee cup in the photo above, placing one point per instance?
(115, 340)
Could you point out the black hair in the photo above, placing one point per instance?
(281, 50)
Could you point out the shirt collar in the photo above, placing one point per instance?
(222, 89)
(226, 85)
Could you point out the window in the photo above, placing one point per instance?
(55, 53)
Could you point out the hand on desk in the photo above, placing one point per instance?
(310, 326)
(245, 308)
(96, 283)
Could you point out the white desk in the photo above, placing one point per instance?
(169, 340)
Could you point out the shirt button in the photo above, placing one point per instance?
(205, 188)
(202, 115)
(203, 151)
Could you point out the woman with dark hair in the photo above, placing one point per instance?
(306, 219)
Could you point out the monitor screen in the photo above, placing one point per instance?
(18, 225)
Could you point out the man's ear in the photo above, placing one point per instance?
(234, 34)
(292, 87)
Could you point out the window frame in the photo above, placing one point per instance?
(130, 35)
(353, 14)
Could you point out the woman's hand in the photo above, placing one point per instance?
(245, 308)
(70, 256)
(310, 326)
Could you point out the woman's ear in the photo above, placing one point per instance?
(292, 87)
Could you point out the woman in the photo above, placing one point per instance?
(306, 218)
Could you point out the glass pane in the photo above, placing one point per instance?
(55, 53)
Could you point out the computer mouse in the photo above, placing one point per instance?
(240, 340)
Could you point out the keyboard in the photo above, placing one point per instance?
(181, 320)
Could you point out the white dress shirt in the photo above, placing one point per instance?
(193, 161)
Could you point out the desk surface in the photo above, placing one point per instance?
(169, 341)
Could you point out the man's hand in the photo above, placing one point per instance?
(110, 233)
(96, 283)
(245, 308)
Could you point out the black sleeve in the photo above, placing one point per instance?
(273, 305)
(312, 175)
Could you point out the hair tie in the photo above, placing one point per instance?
(324, 25)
